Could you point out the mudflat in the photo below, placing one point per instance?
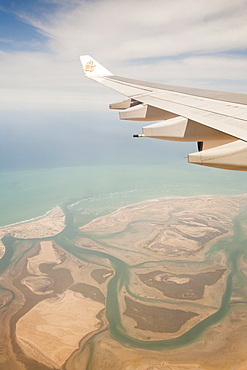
(156, 285)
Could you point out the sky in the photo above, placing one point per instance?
(50, 114)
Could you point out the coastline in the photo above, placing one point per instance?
(127, 270)
(29, 194)
(48, 225)
(31, 219)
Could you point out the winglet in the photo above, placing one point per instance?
(92, 68)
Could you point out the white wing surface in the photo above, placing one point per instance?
(216, 120)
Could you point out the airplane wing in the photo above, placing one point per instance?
(217, 121)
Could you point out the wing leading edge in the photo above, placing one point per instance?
(216, 120)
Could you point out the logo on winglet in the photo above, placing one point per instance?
(89, 67)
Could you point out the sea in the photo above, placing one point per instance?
(32, 193)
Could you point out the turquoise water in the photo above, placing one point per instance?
(100, 189)
(28, 194)
(233, 249)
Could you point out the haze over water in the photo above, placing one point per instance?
(31, 193)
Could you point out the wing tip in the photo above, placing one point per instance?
(92, 68)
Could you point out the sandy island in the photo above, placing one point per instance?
(45, 227)
(54, 327)
(170, 286)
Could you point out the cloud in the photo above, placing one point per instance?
(127, 30)
(184, 42)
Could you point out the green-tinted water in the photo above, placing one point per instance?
(233, 249)
(28, 194)
(101, 190)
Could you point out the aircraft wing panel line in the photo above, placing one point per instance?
(135, 92)
(169, 101)
(211, 94)
(216, 106)
(214, 118)
(125, 89)
(208, 106)
(232, 126)
(222, 108)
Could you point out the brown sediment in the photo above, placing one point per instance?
(183, 286)
(39, 284)
(29, 301)
(60, 281)
(156, 319)
(5, 297)
(47, 254)
(55, 326)
(39, 338)
(213, 210)
(89, 291)
(223, 346)
(177, 239)
(172, 227)
(50, 325)
(61, 277)
(101, 275)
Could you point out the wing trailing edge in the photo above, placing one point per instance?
(216, 120)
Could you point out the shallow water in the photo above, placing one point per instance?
(28, 194)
